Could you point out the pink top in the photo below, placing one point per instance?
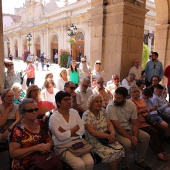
(140, 104)
(30, 70)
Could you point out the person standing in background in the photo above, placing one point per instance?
(56, 58)
(153, 68)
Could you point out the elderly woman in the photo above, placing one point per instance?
(28, 136)
(62, 80)
(18, 92)
(9, 115)
(98, 126)
(154, 131)
(96, 73)
(49, 92)
(67, 126)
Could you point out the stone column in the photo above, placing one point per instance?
(162, 44)
(1, 50)
(116, 35)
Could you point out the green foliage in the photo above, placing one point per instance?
(145, 55)
(64, 57)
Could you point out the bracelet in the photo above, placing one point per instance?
(9, 129)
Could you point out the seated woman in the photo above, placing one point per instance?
(154, 131)
(67, 126)
(48, 76)
(62, 80)
(18, 92)
(96, 125)
(9, 115)
(49, 92)
(28, 136)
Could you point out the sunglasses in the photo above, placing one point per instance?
(72, 88)
(31, 110)
(9, 65)
(116, 78)
(100, 82)
(154, 66)
(98, 63)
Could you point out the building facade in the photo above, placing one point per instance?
(47, 23)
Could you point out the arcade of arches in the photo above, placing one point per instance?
(116, 35)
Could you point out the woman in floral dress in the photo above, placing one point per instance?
(96, 125)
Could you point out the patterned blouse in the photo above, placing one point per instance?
(26, 138)
(10, 79)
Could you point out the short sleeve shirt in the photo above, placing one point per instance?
(122, 113)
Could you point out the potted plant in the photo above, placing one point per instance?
(63, 57)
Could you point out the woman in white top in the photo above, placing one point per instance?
(62, 80)
(96, 73)
(49, 92)
(66, 126)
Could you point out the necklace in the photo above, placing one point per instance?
(98, 116)
(31, 127)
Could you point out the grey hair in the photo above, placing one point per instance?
(23, 104)
(131, 75)
(91, 100)
(131, 88)
(85, 79)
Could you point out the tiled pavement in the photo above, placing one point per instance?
(151, 160)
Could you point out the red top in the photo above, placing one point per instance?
(30, 70)
(167, 74)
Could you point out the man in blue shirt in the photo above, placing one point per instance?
(153, 68)
(42, 60)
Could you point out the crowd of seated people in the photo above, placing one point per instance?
(91, 109)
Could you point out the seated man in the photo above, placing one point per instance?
(129, 81)
(10, 76)
(160, 102)
(70, 88)
(83, 92)
(100, 89)
(136, 69)
(114, 84)
(140, 84)
(123, 115)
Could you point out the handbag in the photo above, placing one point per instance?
(48, 161)
(80, 148)
(150, 119)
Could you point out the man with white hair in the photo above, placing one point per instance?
(129, 81)
(114, 84)
(10, 76)
(136, 69)
(83, 92)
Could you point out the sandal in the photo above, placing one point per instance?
(163, 158)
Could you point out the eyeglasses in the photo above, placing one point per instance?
(154, 66)
(31, 110)
(67, 99)
(98, 63)
(100, 82)
(136, 91)
(9, 65)
(84, 86)
(83, 61)
(72, 88)
(116, 78)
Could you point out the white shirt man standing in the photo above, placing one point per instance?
(136, 69)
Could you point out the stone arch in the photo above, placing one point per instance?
(78, 46)
(16, 48)
(37, 50)
(54, 45)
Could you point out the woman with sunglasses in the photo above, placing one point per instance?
(96, 73)
(9, 115)
(67, 126)
(28, 136)
(73, 73)
(11, 76)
